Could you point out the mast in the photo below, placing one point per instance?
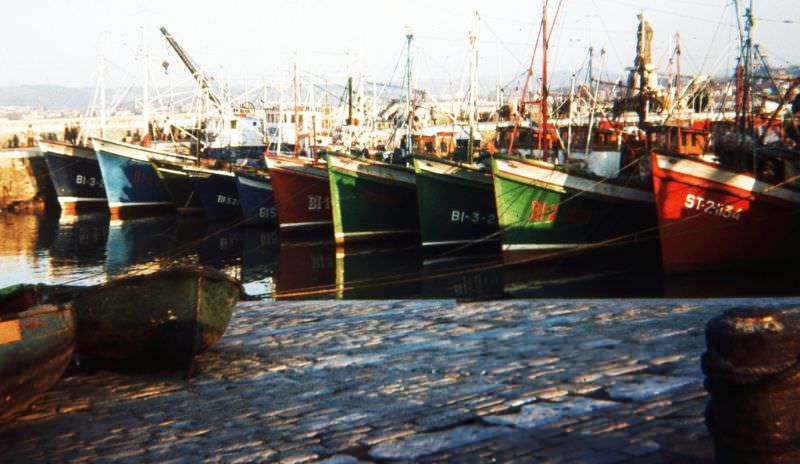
(296, 117)
(101, 78)
(641, 58)
(409, 74)
(473, 85)
(678, 85)
(594, 102)
(544, 145)
(145, 85)
(313, 105)
(350, 101)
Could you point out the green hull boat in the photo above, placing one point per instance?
(169, 315)
(179, 187)
(456, 205)
(372, 200)
(36, 343)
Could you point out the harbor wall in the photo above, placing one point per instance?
(24, 181)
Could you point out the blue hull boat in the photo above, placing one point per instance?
(256, 198)
(217, 192)
(132, 184)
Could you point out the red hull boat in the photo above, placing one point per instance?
(711, 217)
(302, 193)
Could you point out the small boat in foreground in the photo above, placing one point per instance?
(167, 315)
(36, 343)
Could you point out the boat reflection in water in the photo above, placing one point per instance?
(141, 245)
(306, 269)
(90, 249)
(260, 251)
(77, 252)
(365, 272)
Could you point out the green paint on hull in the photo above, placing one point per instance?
(178, 186)
(535, 215)
(366, 208)
(453, 210)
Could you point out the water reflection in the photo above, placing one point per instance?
(92, 249)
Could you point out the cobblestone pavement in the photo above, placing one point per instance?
(416, 381)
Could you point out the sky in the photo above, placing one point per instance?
(249, 42)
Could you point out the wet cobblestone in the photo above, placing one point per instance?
(406, 381)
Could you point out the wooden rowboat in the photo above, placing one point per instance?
(36, 343)
(169, 315)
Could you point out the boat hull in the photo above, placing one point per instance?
(76, 177)
(169, 315)
(302, 194)
(456, 206)
(132, 185)
(35, 349)
(179, 187)
(372, 201)
(713, 218)
(544, 210)
(256, 197)
(218, 194)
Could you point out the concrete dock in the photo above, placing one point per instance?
(411, 381)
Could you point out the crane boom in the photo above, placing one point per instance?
(196, 73)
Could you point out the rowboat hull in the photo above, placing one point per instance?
(456, 205)
(172, 314)
(302, 194)
(372, 201)
(76, 177)
(35, 348)
(544, 210)
(710, 217)
(256, 197)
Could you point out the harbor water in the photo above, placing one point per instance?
(92, 249)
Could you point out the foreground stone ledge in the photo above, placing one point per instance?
(545, 381)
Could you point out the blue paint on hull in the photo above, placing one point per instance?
(131, 184)
(257, 200)
(218, 194)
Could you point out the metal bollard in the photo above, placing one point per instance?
(752, 368)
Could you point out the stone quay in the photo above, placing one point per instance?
(544, 381)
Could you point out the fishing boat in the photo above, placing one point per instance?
(176, 181)
(714, 217)
(544, 207)
(302, 193)
(217, 192)
(36, 343)
(256, 197)
(168, 315)
(737, 205)
(131, 182)
(372, 200)
(455, 194)
(554, 201)
(76, 177)
(456, 204)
